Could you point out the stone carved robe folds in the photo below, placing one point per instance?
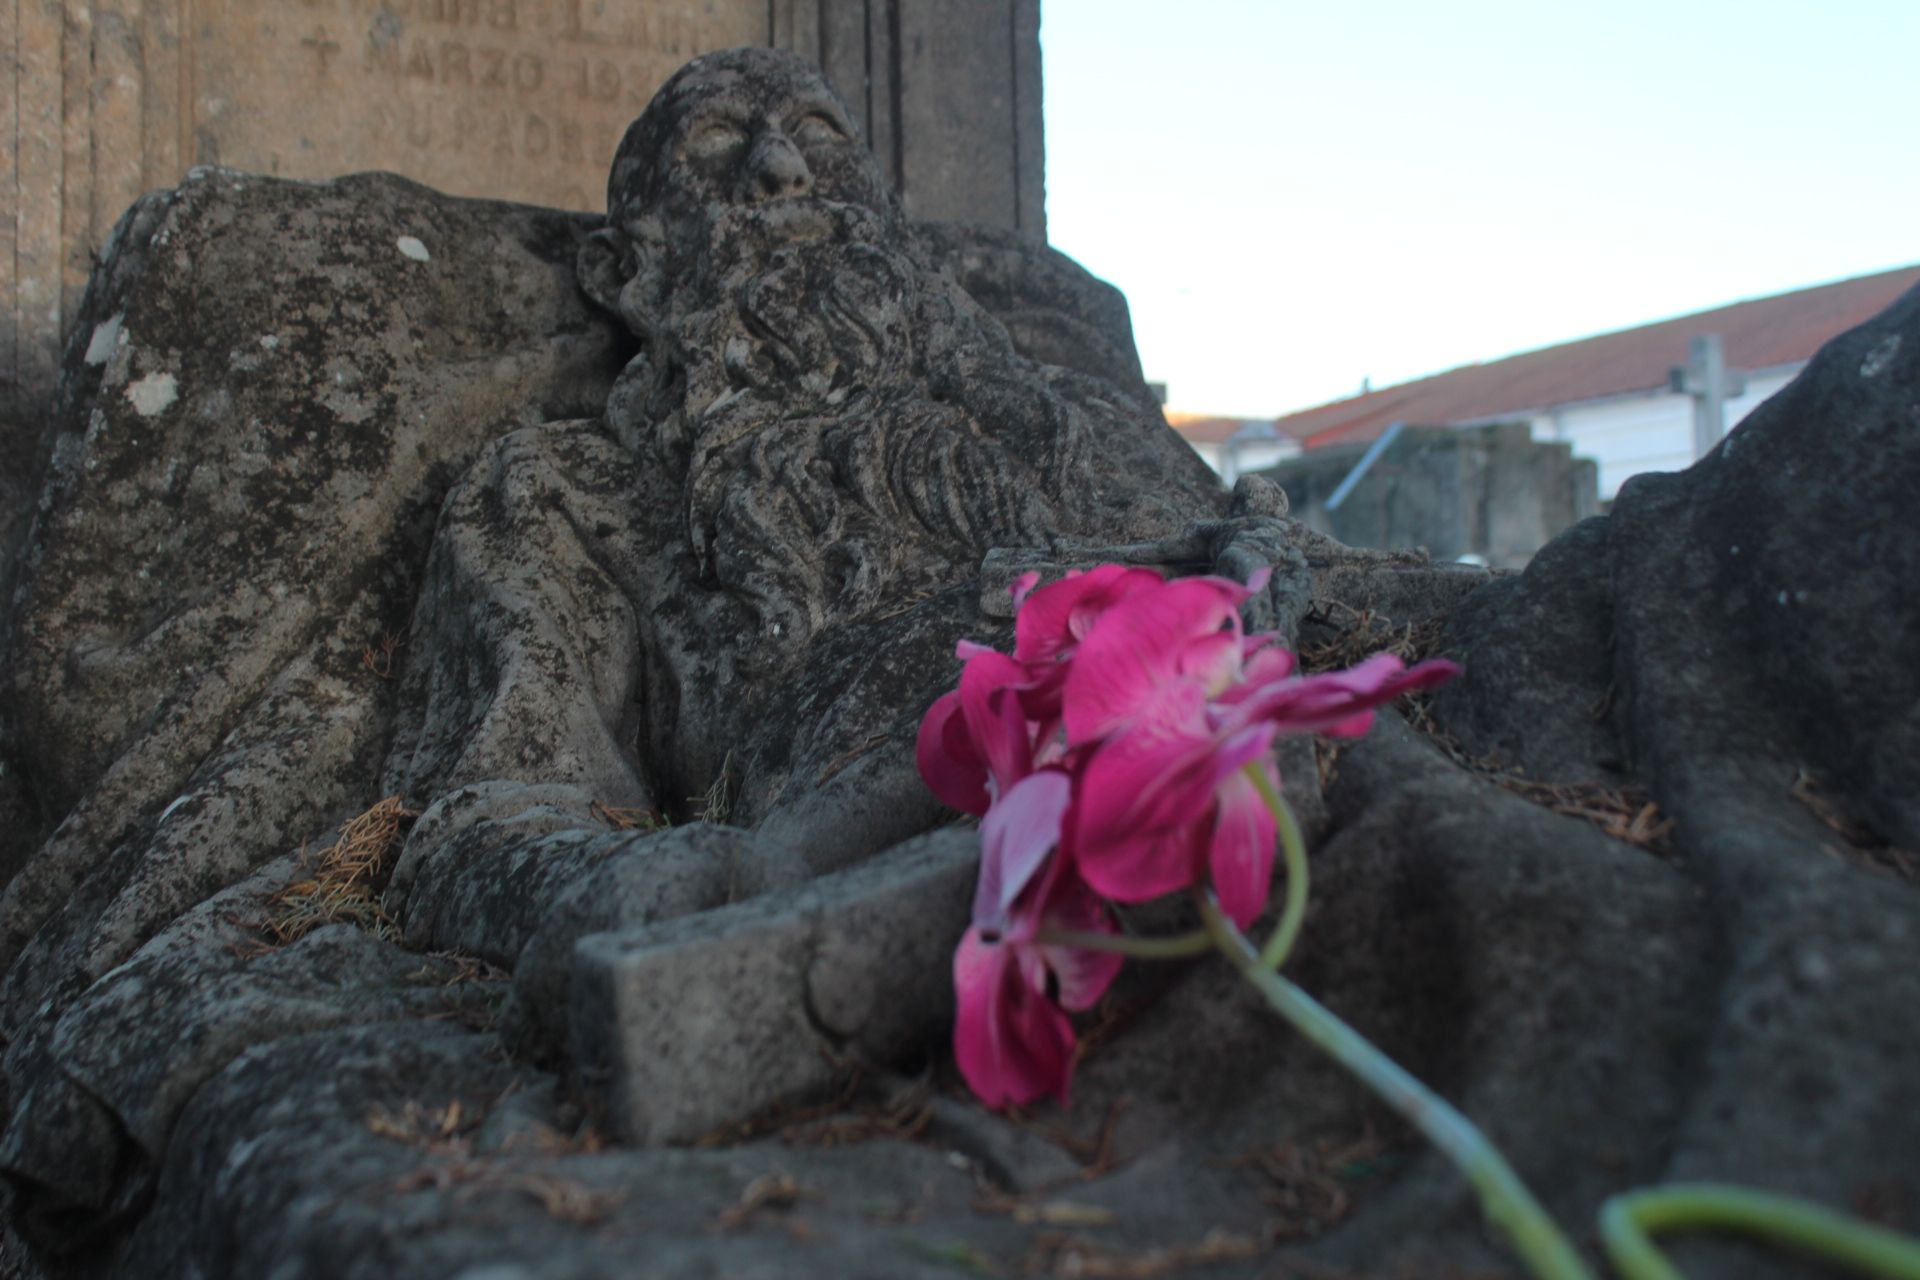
(569, 522)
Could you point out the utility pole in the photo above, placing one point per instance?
(1707, 379)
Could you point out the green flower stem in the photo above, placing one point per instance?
(1627, 1221)
(1503, 1198)
(1293, 850)
(1174, 948)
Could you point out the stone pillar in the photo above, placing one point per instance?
(523, 100)
(948, 92)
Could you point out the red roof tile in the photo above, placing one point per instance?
(1762, 333)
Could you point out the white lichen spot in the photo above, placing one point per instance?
(269, 341)
(1733, 551)
(414, 249)
(346, 406)
(1881, 356)
(106, 336)
(1783, 597)
(153, 393)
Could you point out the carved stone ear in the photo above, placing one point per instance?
(604, 267)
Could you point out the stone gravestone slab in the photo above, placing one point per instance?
(516, 99)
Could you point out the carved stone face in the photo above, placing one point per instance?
(742, 128)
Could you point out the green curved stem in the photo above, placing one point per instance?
(1627, 1221)
(1173, 948)
(1293, 850)
(1504, 1199)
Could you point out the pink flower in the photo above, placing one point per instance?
(1052, 622)
(1170, 703)
(982, 738)
(1109, 757)
(1012, 1037)
(976, 742)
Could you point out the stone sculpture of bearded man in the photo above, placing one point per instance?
(847, 425)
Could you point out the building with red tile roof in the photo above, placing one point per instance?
(1609, 395)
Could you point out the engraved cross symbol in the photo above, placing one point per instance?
(322, 47)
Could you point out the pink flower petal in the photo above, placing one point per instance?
(998, 726)
(1136, 649)
(1263, 664)
(1339, 702)
(952, 769)
(1019, 831)
(1012, 1043)
(1057, 617)
(1133, 786)
(1145, 816)
(1081, 975)
(1153, 776)
(1040, 696)
(1211, 661)
(1241, 857)
(1142, 866)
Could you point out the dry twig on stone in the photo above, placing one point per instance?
(346, 882)
(1864, 847)
(717, 804)
(770, 1192)
(562, 1199)
(460, 968)
(378, 658)
(782, 1118)
(846, 758)
(438, 1129)
(1364, 634)
(1071, 1255)
(1097, 1156)
(1624, 812)
(1306, 1184)
(903, 1117)
(648, 819)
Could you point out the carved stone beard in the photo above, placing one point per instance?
(782, 375)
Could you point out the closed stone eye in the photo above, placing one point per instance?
(713, 139)
(816, 129)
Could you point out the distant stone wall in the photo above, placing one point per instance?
(1493, 492)
(522, 100)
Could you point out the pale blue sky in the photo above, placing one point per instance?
(1298, 195)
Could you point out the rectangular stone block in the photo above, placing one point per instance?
(679, 1027)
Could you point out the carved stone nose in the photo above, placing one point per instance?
(776, 168)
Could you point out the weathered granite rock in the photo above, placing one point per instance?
(643, 645)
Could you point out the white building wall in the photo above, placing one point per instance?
(1626, 435)
(1214, 455)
